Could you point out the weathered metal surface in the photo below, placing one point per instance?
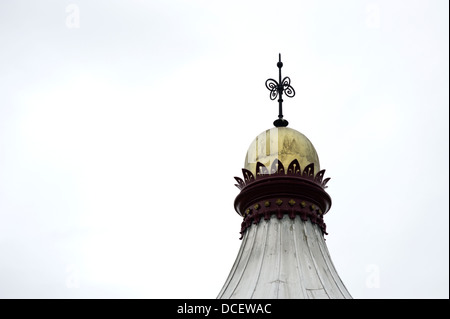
(283, 258)
(284, 144)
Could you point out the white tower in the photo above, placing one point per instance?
(282, 201)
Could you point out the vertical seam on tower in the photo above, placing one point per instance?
(313, 259)
(328, 265)
(302, 283)
(246, 263)
(262, 257)
(235, 265)
(279, 256)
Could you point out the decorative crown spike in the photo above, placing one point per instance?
(277, 89)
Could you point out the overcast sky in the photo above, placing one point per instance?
(123, 123)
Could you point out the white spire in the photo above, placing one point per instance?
(283, 258)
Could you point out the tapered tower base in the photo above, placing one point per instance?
(283, 259)
(283, 202)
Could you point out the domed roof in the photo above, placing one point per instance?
(284, 144)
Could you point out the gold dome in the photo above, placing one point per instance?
(284, 144)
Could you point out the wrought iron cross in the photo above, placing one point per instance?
(277, 89)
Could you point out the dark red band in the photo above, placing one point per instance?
(281, 192)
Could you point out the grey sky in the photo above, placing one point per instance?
(122, 124)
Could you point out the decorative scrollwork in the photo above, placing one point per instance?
(272, 86)
(325, 181)
(248, 176)
(277, 89)
(319, 176)
(287, 88)
(277, 168)
(240, 183)
(261, 170)
(305, 210)
(294, 168)
(309, 171)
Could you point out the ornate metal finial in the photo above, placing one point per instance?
(277, 89)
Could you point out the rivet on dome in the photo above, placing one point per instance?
(279, 202)
(292, 202)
